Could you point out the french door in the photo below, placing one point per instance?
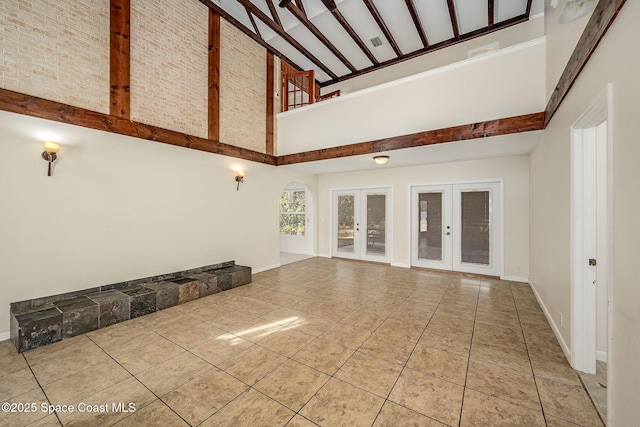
(361, 224)
(457, 227)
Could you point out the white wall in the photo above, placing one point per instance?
(507, 83)
(119, 208)
(513, 170)
(507, 37)
(550, 206)
(561, 41)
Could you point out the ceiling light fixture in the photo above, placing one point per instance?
(576, 9)
(381, 160)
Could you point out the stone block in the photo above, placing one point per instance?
(208, 284)
(167, 294)
(113, 307)
(189, 289)
(79, 315)
(225, 279)
(240, 275)
(141, 300)
(36, 328)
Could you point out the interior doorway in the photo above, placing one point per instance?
(591, 242)
(361, 224)
(457, 227)
(296, 223)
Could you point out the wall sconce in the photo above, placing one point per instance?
(381, 160)
(239, 179)
(49, 153)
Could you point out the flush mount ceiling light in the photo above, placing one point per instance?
(576, 9)
(381, 160)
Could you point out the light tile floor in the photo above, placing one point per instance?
(318, 342)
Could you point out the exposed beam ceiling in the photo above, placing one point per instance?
(341, 39)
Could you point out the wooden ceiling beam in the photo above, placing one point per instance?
(301, 7)
(244, 29)
(282, 33)
(274, 12)
(431, 48)
(490, 13)
(302, 17)
(383, 26)
(485, 129)
(528, 12)
(454, 19)
(120, 58)
(416, 21)
(50, 110)
(601, 19)
(253, 23)
(349, 29)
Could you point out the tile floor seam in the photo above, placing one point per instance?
(526, 345)
(41, 388)
(584, 386)
(466, 375)
(158, 398)
(404, 366)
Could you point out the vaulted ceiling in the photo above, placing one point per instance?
(340, 39)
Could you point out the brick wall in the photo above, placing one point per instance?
(59, 50)
(56, 49)
(243, 85)
(169, 64)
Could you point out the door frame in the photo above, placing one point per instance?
(389, 223)
(583, 204)
(500, 212)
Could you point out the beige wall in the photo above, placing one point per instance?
(243, 86)
(510, 36)
(561, 40)
(56, 49)
(169, 65)
(506, 83)
(119, 208)
(550, 206)
(513, 170)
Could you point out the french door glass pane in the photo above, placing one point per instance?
(376, 227)
(430, 226)
(475, 219)
(346, 210)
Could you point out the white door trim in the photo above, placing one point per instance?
(360, 200)
(583, 296)
(497, 217)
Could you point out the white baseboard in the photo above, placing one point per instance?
(515, 279)
(400, 264)
(324, 256)
(269, 267)
(556, 331)
(601, 356)
(4, 336)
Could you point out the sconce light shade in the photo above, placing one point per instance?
(51, 147)
(49, 153)
(239, 179)
(381, 160)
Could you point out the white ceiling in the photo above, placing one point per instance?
(483, 148)
(433, 15)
